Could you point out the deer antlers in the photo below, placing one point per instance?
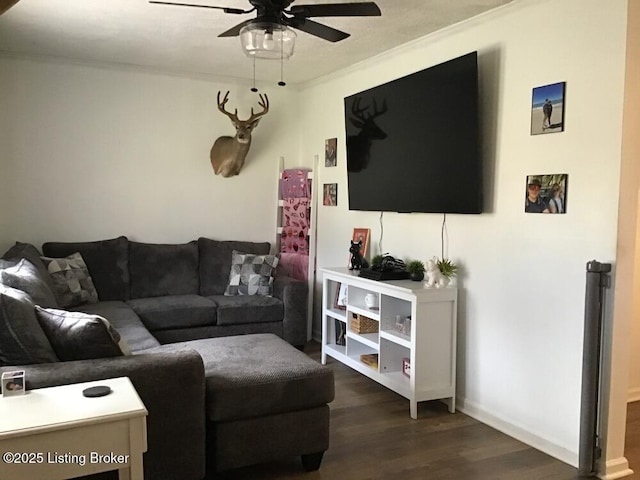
(264, 103)
(359, 113)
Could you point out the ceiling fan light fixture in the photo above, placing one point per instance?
(270, 41)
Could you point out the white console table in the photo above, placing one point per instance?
(430, 345)
(56, 433)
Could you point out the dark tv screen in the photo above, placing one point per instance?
(412, 143)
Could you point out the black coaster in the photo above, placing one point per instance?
(98, 391)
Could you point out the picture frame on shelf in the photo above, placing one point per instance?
(340, 301)
(361, 235)
(547, 108)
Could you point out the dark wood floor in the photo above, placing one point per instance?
(373, 437)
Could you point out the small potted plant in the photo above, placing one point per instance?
(416, 270)
(376, 261)
(447, 267)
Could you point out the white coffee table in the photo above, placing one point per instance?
(56, 433)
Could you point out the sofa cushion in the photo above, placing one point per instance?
(174, 311)
(79, 336)
(26, 277)
(22, 340)
(107, 261)
(26, 250)
(215, 262)
(125, 321)
(251, 274)
(71, 280)
(261, 374)
(161, 269)
(248, 309)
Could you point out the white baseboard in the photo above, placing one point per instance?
(519, 433)
(617, 468)
(633, 395)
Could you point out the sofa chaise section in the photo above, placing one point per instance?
(265, 400)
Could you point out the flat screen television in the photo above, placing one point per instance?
(413, 143)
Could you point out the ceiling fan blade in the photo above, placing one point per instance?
(235, 31)
(362, 9)
(225, 9)
(317, 29)
(6, 5)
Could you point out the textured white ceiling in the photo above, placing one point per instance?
(184, 40)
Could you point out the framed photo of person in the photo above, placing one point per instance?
(547, 109)
(330, 152)
(12, 383)
(330, 194)
(546, 193)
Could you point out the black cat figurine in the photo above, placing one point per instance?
(357, 260)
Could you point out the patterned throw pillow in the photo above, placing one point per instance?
(80, 336)
(71, 280)
(251, 274)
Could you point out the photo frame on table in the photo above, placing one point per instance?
(547, 108)
(546, 193)
(12, 383)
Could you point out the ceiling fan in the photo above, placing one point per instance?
(280, 13)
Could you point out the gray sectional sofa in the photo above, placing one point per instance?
(246, 394)
(177, 291)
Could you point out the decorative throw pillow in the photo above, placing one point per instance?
(80, 336)
(22, 340)
(251, 274)
(72, 282)
(26, 277)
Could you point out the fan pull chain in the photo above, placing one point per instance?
(254, 89)
(281, 82)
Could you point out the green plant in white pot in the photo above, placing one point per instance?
(447, 267)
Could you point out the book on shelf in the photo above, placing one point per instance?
(370, 359)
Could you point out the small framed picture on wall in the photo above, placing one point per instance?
(547, 109)
(330, 152)
(546, 193)
(330, 194)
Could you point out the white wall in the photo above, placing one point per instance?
(522, 296)
(92, 153)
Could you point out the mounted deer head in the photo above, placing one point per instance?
(228, 153)
(359, 146)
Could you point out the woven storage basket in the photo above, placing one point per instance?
(362, 324)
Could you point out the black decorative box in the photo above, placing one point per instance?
(384, 274)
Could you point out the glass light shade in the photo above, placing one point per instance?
(267, 40)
